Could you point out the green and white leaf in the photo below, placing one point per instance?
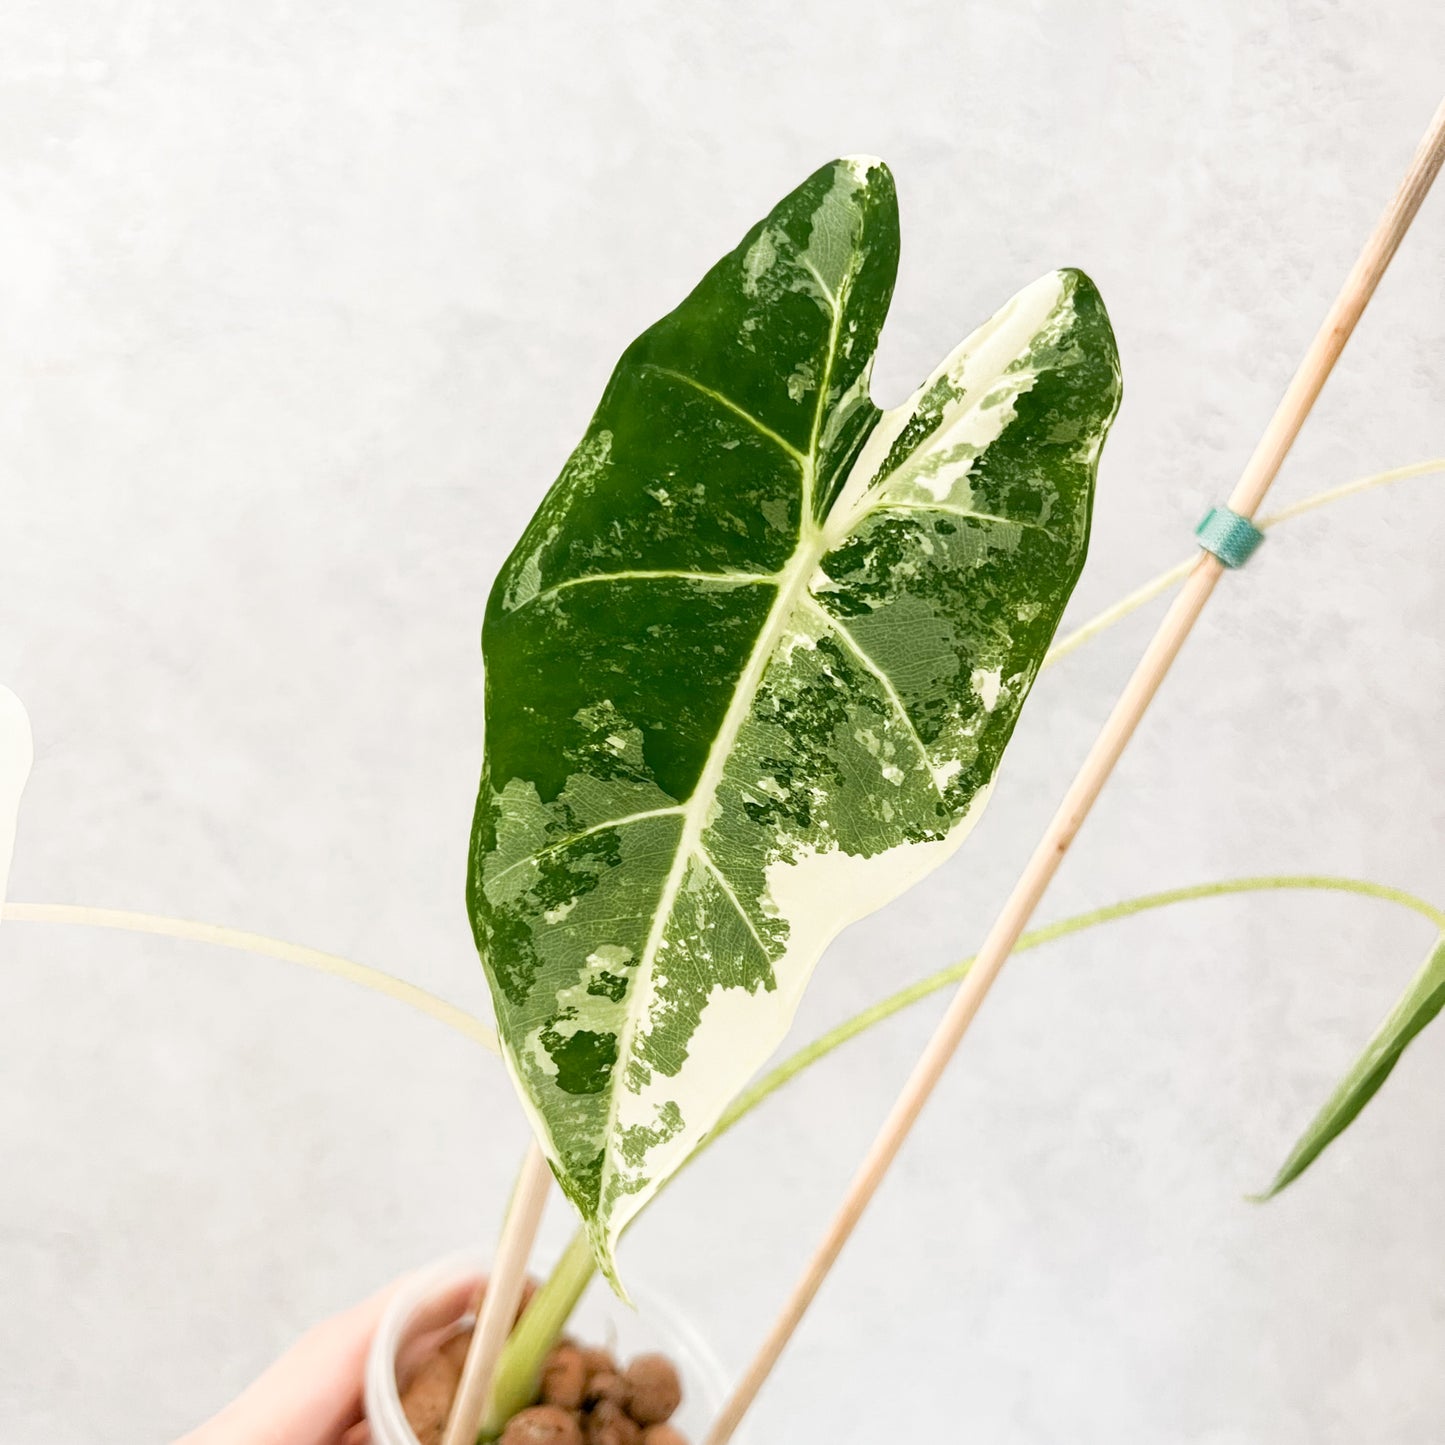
(751, 668)
(1418, 1006)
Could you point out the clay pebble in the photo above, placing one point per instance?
(654, 1390)
(543, 1425)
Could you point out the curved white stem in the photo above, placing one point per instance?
(359, 973)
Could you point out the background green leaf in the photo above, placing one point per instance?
(1421, 1001)
(752, 666)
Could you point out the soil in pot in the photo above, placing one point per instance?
(587, 1397)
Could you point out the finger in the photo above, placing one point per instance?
(312, 1394)
(448, 1307)
(443, 1316)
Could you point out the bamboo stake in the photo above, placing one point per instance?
(1255, 481)
(499, 1303)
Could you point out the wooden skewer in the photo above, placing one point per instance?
(1255, 481)
(499, 1303)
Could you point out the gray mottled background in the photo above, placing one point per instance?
(304, 305)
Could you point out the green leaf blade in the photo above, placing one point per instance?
(1421, 1002)
(751, 668)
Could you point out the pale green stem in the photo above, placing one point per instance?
(811, 1053)
(514, 1386)
(1351, 489)
(1165, 580)
(524, 1358)
(338, 967)
(1102, 621)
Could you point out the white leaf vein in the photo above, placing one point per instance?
(884, 681)
(732, 579)
(792, 589)
(756, 422)
(823, 286)
(965, 512)
(601, 827)
(710, 863)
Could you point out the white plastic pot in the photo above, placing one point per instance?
(601, 1319)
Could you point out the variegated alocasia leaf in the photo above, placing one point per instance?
(750, 670)
(1421, 1002)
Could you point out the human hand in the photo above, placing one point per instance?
(312, 1395)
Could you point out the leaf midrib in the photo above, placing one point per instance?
(817, 538)
(696, 812)
(793, 580)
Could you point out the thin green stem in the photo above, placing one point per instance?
(1121, 609)
(523, 1358)
(375, 979)
(1118, 611)
(885, 1008)
(1351, 489)
(514, 1385)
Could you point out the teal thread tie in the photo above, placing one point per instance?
(1229, 536)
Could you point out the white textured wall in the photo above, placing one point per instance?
(304, 304)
